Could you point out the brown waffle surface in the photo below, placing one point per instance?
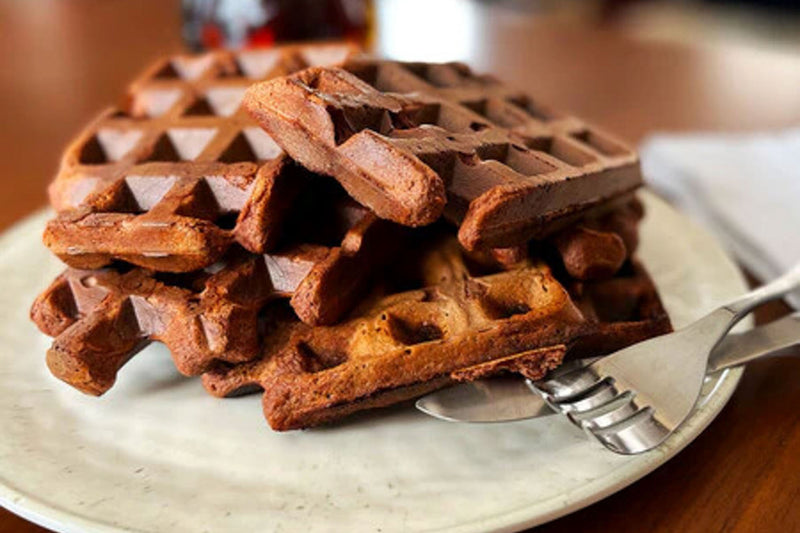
(598, 246)
(101, 318)
(180, 171)
(397, 135)
(593, 248)
(461, 324)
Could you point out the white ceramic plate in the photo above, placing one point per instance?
(158, 454)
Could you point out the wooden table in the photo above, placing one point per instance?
(64, 61)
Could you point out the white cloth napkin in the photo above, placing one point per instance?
(744, 187)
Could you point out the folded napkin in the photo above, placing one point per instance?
(744, 187)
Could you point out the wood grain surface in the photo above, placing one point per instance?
(64, 61)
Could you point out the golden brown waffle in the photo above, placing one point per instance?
(180, 172)
(397, 135)
(458, 325)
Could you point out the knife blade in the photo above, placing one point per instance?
(506, 399)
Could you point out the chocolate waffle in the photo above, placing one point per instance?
(459, 324)
(179, 172)
(593, 248)
(101, 318)
(597, 246)
(396, 135)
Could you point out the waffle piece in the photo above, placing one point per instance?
(101, 318)
(396, 135)
(595, 247)
(338, 246)
(180, 172)
(598, 246)
(457, 327)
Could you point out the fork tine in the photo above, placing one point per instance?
(563, 385)
(618, 409)
(597, 395)
(636, 434)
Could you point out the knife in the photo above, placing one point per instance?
(505, 399)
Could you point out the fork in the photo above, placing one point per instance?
(632, 400)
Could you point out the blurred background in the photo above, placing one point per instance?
(452, 29)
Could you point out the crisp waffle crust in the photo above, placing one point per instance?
(413, 140)
(180, 172)
(455, 326)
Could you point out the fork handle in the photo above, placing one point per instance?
(772, 340)
(771, 291)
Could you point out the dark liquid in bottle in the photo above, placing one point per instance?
(244, 23)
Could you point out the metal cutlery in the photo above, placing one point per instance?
(633, 399)
(509, 399)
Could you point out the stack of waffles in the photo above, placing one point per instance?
(340, 232)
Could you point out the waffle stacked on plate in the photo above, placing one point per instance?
(340, 237)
